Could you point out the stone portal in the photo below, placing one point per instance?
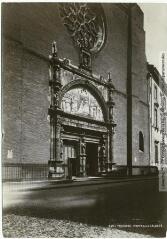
(81, 121)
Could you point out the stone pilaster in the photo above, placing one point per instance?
(82, 157)
(55, 162)
(102, 155)
(111, 124)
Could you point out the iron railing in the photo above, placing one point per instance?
(19, 172)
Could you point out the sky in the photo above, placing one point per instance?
(155, 25)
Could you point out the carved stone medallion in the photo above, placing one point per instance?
(85, 23)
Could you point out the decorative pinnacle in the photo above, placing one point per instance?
(109, 76)
(111, 86)
(54, 48)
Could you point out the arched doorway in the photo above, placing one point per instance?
(83, 114)
(81, 119)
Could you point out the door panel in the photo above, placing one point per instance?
(70, 151)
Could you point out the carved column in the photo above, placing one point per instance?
(110, 151)
(61, 144)
(82, 157)
(99, 168)
(55, 119)
(102, 155)
(52, 143)
(59, 170)
(111, 124)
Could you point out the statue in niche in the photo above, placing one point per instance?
(61, 149)
(83, 147)
(102, 148)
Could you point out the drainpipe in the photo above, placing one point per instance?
(129, 93)
(149, 90)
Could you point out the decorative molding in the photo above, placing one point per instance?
(75, 70)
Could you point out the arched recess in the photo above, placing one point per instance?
(91, 88)
(141, 141)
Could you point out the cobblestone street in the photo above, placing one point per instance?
(23, 226)
(116, 209)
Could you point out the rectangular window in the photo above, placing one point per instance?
(162, 152)
(165, 125)
(161, 99)
(155, 118)
(164, 103)
(155, 92)
(161, 122)
(156, 153)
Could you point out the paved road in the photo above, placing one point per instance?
(121, 203)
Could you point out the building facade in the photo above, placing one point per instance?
(158, 116)
(84, 111)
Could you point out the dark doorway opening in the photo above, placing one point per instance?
(74, 166)
(91, 159)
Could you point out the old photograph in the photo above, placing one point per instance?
(84, 119)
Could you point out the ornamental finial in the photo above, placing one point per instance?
(110, 83)
(109, 76)
(54, 48)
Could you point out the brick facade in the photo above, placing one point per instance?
(28, 31)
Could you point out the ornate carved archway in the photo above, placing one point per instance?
(79, 133)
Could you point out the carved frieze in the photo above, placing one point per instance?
(80, 101)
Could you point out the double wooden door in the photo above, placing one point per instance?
(70, 158)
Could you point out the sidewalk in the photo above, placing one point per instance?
(76, 182)
(95, 207)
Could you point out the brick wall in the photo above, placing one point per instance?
(140, 110)
(29, 29)
(12, 101)
(35, 108)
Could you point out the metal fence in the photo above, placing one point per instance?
(121, 170)
(19, 172)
